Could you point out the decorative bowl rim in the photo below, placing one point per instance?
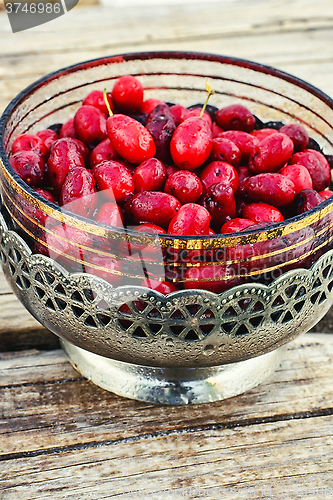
(271, 231)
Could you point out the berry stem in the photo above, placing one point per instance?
(210, 92)
(107, 102)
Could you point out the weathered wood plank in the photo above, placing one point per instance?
(260, 460)
(299, 30)
(46, 404)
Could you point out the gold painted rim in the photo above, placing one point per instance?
(167, 242)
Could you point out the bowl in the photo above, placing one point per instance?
(262, 287)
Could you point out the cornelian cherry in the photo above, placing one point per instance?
(297, 134)
(30, 166)
(236, 225)
(299, 175)
(273, 188)
(317, 166)
(190, 219)
(219, 171)
(149, 104)
(191, 143)
(327, 193)
(96, 98)
(184, 185)
(30, 142)
(219, 200)
(68, 129)
(244, 141)
(127, 94)
(90, 125)
(104, 151)
(262, 212)
(235, 117)
(150, 175)
(271, 153)
(130, 139)
(152, 207)
(225, 150)
(110, 213)
(78, 192)
(114, 180)
(48, 136)
(64, 156)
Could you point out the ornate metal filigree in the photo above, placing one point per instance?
(187, 328)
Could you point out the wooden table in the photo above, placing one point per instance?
(61, 436)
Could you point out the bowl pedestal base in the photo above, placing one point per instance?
(173, 386)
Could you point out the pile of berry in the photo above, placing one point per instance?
(163, 168)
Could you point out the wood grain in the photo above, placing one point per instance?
(293, 35)
(60, 435)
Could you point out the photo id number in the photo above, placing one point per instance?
(33, 8)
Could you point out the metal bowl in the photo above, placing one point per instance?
(279, 279)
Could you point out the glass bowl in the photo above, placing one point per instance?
(248, 294)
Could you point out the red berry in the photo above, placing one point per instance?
(275, 189)
(306, 199)
(127, 94)
(225, 150)
(150, 175)
(114, 180)
(297, 134)
(327, 193)
(263, 133)
(299, 175)
(130, 139)
(236, 225)
(96, 99)
(244, 141)
(219, 200)
(110, 213)
(184, 185)
(68, 129)
(63, 157)
(190, 219)
(179, 113)
(161, 126)
(48, 136)
(90, 125)
(216, 130)
(262, 212)
(30, 142)
(152, 207)
(271, 154)
(104, 151)
(219, 171)
(30, 166)
(191, 143)
(171, 169)
(78, 192)
(197, 112)
(317, 166)
(235, 117)
(82, 148)
(149, 104)
(46, 194)
(149, 228)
